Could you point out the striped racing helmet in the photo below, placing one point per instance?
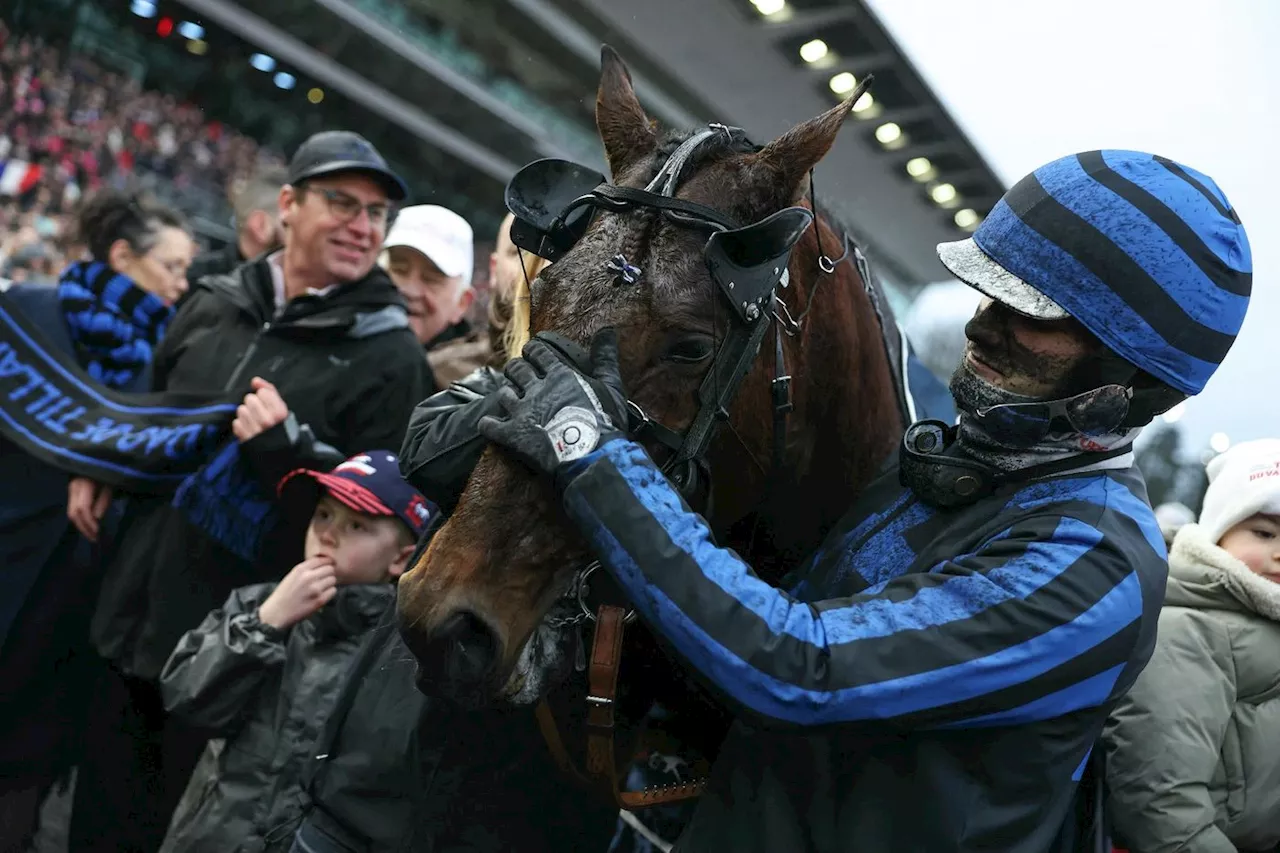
(1147, 254)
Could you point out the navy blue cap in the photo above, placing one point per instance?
(332, 151)
(369, 483)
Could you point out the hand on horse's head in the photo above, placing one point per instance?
(555, 413)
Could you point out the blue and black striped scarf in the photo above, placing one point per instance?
(114, 324)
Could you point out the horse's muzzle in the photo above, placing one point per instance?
(457, 659)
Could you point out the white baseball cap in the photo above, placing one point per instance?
(440, 234)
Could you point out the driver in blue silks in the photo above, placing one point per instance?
(935, 676)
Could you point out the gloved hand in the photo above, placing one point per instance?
(554, 414)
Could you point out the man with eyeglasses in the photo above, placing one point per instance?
(317, 339)
(936, 674)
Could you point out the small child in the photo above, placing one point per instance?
(1193, 750)
(265, 670)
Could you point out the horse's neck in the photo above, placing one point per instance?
(851, 421)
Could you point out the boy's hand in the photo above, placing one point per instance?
(307, 588)
(262, 409)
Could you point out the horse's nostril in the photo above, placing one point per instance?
(470, 648)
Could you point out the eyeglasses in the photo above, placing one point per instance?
(347, 207)
(1093, 414)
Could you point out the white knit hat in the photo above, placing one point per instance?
(1243, 482)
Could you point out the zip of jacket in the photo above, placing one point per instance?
(244, 359)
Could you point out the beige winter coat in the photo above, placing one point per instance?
(1194, 749)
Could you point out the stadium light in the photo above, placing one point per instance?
(769, 8)
(813, 51)
(1220, 442)
(967, 218)
(284, 80)
(843, 83)
(943, 193)
(189, 30)
(888, 133)
(316, 95)
(143, 8)
(919, 168)
(262, 62)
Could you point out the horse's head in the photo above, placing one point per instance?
(474, 607)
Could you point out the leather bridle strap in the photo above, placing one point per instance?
(602, 690)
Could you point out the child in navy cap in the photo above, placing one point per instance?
(265, 669)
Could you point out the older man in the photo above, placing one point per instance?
(431, 257)
(317, 338)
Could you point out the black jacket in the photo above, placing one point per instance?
(442, 443)
(348, 367)
(268, 692)
(215, 262)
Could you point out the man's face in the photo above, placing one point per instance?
(1033, 358)
(337, 223)
(436, 301)
(504, 264)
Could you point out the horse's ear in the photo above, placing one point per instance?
(626, 131)
(788, 159)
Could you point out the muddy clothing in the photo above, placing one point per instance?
(965, 658)
(1193, 753)
(268, 692)
(349, 369)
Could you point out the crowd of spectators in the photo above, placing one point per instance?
(69, 125)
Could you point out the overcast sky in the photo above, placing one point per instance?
(1197, 81)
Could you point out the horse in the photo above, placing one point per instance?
(489, 607)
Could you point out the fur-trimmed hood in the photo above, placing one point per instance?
(1204, 576)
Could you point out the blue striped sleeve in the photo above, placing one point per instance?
(1037, 623)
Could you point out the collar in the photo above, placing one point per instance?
(275, 263)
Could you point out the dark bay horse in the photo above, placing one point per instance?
(506, 557)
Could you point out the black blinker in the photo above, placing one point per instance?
(748, 262)
(542, 198)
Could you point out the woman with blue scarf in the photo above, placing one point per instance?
(108, 314)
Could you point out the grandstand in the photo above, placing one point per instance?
(460, 93)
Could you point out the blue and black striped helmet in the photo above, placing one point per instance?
(1146, 253)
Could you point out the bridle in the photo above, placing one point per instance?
(553, 203)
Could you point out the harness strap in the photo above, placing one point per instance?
(602, 691)
(781, 388)
(631, 196)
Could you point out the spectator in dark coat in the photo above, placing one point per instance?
(265, 669)
(318, 338)
(140, 255)
(258, 231)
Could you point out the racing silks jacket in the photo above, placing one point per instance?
(933, 680)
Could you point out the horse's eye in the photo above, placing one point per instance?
(689, 350)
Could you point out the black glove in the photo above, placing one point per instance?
(554, 414)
